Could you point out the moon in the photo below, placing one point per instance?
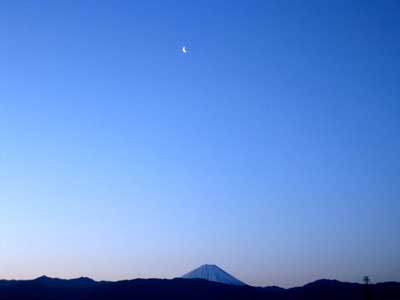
(184, 50)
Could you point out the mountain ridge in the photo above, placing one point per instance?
(317, 282)
(183, 289)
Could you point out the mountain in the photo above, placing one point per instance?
(45, 288)
(80, 282)
(212, 273)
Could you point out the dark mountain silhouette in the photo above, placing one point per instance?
(63, 283)
(45, 288)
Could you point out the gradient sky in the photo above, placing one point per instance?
(271, 149)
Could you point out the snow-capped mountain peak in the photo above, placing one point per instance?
(213, 273)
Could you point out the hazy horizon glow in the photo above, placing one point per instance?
(271, 149)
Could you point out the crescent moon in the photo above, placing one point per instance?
(184, 49)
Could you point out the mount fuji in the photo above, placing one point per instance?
(212, 273)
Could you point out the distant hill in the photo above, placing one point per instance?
(45, 288)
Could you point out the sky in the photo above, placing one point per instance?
(271, 148)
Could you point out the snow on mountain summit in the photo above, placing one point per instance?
(212, 273)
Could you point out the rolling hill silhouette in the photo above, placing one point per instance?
(45, 288)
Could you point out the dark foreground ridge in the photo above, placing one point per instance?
(45, 288)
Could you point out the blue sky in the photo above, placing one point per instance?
(270, 149)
